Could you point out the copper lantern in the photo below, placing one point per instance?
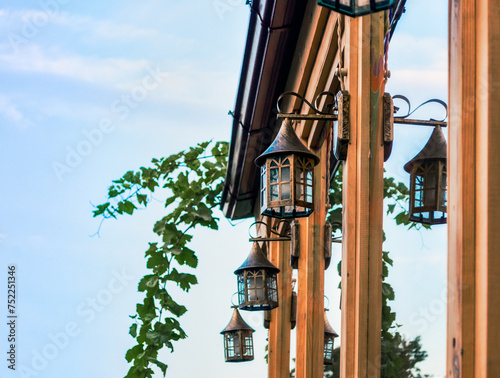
(330, 336)
(257, 282)
(428, 181)
(238, 339)
(355, 8)
(287, 171)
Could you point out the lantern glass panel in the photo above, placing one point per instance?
(263, 186)
(257, 290)
(241, 288)
(232, 344)
(442, 194)
(272, 289)
(247, 344)
(328, 353)
(428, 188)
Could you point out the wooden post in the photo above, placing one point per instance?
(311, 268)
(363, 201)
(280, 326)
(473, 337)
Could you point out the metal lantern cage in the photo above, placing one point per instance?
(238, 339)
(330, 336)
(287, 176)
(257, 282)
(355, 8)
(428, 197)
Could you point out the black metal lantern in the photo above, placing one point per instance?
(257, 282)
(355, 8)
(428, 181)
(287, 169)
(238, 339)
(330, 336)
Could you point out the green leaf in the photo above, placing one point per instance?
(133, 330)
(133, 352)
(163, 367)
(175, 308)
(148, 282)
(142, 199)
(390, 208)
(187, 257)
(402, 218)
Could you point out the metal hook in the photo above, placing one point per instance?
(328, 301)
(232, 301)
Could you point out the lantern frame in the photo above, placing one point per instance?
(238, 339)
(257, 282)
(329, 343)
(287, 176)
(356, 8)
(428, 181)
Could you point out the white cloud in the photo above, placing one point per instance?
(34, 59)
(9, 111)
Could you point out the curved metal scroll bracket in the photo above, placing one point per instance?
(272, 230)
(410, 112)
(304, 100)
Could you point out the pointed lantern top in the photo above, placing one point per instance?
(286, 142)
(256, 259)
(434, 149)
(237, 324)
(328, 328)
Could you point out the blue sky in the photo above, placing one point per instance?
(91, 90)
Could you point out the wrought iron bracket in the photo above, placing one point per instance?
(338, 111)
(417, 122)
(271, 230)
(389, 118)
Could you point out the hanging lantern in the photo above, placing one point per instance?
(428, 181)
(257, 282)
(238, 339)
(330, 336)
(287, 176)
(355, 8)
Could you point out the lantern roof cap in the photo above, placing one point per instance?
(237, 324)
(285, 142)
(328, 328)
(434, 149)
(256, 259)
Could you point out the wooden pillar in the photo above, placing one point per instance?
(310, 289)
(363, 201)
(280, 326)
(473, 339)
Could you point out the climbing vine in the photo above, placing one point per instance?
(193, 181)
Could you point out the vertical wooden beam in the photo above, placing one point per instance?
(311, 267)
(280, 326)
(461, 192)
(488, 189)
(474, 178)
(363, 201)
